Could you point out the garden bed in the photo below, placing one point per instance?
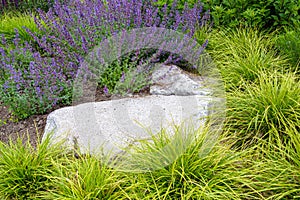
(257, 155)
(33, 127)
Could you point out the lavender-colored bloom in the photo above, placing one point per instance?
(204, 45)
(2, 53)
(16, 40)
(105, 90)
(38, 90)
(3, 40)
(6, 85)
(122, 77)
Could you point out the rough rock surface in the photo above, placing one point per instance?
(171, 80)
(176, 97)
(113, 125)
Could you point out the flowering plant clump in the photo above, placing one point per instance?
(77, 27)
(30, 84)
(71, 30)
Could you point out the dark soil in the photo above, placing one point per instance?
(32, 128)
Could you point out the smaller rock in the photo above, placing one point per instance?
(171, 80)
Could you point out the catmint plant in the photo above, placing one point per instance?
(77, 27)
(71, 30)
(30, 84)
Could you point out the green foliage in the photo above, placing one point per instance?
(11, 21)
(192, 175)
(125, 75)
(84, 178)
(270, 14)
(28, 102)
(19, 105)
(25, 5)
(272, 103)
(201, 35)
(263, 100)
(269, 170)
(288, 44)
(113, 73)
(25, 171)
(279, 166)
(259, 100)
(180, 3)
(242, 54)
(134, 81)
(262, 14)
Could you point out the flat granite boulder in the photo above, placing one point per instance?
(112, 125)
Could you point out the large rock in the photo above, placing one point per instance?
(113, 125)
(171, 80)
(177, 98)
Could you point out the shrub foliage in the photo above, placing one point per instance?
(25, 5)
(263, 14)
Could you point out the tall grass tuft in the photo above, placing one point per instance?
(266, 171)
(278, 166)
(84, 178)
(194, 175)
(25, 171)
(272, 103)
(242, 54)
(16, 20)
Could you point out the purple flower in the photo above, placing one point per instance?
(123, 77)
(3, 40)
(204, 45)
(105, 90)
(6, 85)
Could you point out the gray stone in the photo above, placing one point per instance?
(178, 99)
(171, 80)
(113, 125)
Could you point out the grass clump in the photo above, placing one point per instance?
(193, 174)
(242, 54)
(272, 103)
(262, 172)
(25, 171)
(278, 166)
(16, 20)
(84, 178)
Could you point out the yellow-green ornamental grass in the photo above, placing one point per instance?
(256, 157)
(271, 103)
(243, 54)
(10, 22)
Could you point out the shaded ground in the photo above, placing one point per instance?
(33, 127)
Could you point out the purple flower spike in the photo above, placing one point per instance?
(123, 77)
(105, 90)
(204, 45)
